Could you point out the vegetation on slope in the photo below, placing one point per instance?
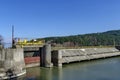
(109, 38)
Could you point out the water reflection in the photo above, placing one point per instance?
(32, 74)
(107, 69)
(38, 73)
(45, 74)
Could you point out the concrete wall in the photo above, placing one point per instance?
(32, 61)
(73, 55)
(45, 56)
(31, 51)
(12, 59)
(2, 58)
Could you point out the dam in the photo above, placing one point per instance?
(62, 56)
(39, 53)
(48, 58)
(15, 60)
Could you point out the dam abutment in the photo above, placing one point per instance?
(74, 55)
(11, 62)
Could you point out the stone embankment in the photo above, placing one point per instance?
(11, 63)
(73, 55)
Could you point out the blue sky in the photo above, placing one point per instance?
(45, 18)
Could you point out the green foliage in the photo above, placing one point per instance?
(108, 38)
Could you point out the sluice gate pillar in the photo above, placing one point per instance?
(45, 56)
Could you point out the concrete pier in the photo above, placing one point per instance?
(46, 56)
(11, 62)
(73, 55)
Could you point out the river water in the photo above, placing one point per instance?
(103, 69)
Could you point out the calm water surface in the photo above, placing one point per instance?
(103, 69)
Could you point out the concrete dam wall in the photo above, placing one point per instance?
(72, 55)
(11, 62)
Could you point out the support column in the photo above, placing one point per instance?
(59, 58)
(46, 56)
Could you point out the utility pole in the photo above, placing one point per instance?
(13, 41)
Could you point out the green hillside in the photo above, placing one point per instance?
(109, 38)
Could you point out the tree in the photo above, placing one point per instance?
(109, 38)
(1, 40)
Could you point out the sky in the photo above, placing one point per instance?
(46, 18)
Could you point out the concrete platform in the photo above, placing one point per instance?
(12, 63)
(73, 55)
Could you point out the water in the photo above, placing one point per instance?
(103, 69)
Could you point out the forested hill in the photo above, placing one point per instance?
(108, 38)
